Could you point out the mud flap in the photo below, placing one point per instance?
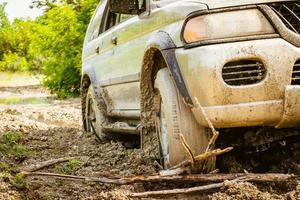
(291, 109)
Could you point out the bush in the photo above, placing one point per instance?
(13, 62)
(61, 48)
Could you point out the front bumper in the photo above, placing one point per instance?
(272, 102)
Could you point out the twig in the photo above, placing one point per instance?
(181, 166)
(215, 134)
(41, 165)
(212, 153)
(188, 149)
(185, 190)
(196, 178)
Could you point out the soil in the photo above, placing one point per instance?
(51, 128)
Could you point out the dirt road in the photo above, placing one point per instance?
(48, 128)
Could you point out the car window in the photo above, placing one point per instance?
(113, 18)
(94, 28)
(124, 17)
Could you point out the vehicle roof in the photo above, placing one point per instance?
(212, 4)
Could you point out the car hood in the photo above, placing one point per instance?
(212, 4)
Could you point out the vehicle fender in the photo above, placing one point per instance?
(90, 73)
(163, 42)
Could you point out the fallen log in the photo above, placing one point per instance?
(196, 178)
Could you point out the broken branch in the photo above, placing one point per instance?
(48, 163)
(186, 190)
(188, 149)
(204, 156)
(215, 134)
(177, 191)
(196, 178)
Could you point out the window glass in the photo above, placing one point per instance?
(124, 17)
(111, 20)
(96, 21)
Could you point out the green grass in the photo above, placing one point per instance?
(10, 145)
(19, 100)
(69, 167)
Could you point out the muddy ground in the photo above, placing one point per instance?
(49, 128)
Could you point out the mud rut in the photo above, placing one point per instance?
(52, 129)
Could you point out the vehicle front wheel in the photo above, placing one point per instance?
(93, 116)
(176, 118)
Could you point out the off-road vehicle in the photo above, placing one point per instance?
(152, 65)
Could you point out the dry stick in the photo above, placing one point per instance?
(196, 178)
(211, 126)
(185, 190)
(181, 167)
(177, 191)
(38, 166)
(188, 149)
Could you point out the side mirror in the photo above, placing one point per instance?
(130, 7)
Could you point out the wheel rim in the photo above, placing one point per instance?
(164, 136)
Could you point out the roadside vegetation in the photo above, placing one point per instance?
(49, 45)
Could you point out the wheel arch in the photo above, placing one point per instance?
(159, 53)
(88, 78)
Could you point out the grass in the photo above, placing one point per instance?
(69, 167)
(10, 145)
(19, 100)
(9, 79)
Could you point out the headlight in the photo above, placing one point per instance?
(228, 24)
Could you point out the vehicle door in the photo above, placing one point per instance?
(121, 64)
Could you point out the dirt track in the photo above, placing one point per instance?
(51, 129)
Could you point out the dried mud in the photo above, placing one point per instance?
(53, 130)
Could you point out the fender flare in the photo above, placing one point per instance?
(90, 73)
(163, 42)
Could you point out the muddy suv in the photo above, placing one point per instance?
(161, 65)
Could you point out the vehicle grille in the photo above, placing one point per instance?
(296, 74)
(289, 14)
(244, 72)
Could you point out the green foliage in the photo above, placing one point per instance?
(18, 181)
(10, 145)
(7, 168)
(13, 62)
(3, 18)
(51, 44)
(62, 48)
(68, 168)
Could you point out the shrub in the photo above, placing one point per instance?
(13, 62)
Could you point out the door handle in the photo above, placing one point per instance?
(114, 40)
(97, 50)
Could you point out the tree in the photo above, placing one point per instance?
(50, 44)
(3, 18)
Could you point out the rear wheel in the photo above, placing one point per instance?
(93, 116)
(176, 118)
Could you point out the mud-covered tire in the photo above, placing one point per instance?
(178, 120)
(93, 116)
